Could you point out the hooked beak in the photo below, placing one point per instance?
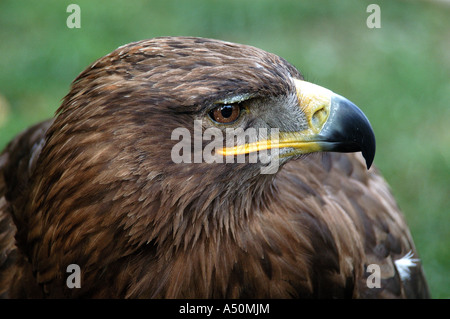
(334, 125)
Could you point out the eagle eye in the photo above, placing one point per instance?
(226, 113)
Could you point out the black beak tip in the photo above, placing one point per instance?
(350, 130)
(368, 151)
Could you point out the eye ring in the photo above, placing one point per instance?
(225, 113)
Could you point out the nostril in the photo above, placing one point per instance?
(319, 117)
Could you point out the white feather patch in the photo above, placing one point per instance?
(403, 264)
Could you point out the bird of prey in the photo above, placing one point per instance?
(129, 184)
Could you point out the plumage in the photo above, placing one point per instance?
(97, 186)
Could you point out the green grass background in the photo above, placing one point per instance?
(398, 74)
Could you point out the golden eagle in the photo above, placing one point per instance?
(125, 184)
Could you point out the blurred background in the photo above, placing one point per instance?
(399, 75)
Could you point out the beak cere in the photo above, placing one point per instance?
(315, 102)
(334, 125)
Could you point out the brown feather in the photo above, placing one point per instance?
(96, 187)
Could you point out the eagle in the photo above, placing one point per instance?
(186, 167)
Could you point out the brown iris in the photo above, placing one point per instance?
(226, 113)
